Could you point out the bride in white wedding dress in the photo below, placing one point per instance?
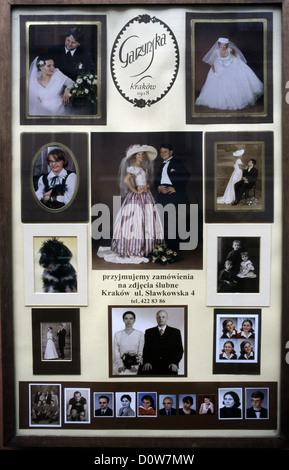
(138, 226)
(231, 84)
(49, 89)
(50, 350)
(229, 194)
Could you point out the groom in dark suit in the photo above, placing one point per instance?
(250, 176)
(170, 181)
(163, 348)
(61, 339)
(69, 55)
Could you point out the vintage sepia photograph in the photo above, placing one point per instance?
(56, 341)
(77, 405)
(45, 405)
(239, 265)
(64, 65)
(239, 177)
(229, 76)
(148, 341)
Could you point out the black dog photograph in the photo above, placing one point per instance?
(58, 271)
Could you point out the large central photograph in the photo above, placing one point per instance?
(146, 196)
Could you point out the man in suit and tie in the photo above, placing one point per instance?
(163, 348)
(257, 411)
(104, 409)
(168, 409)
(170, 182)
(69, 55)
(250, 176)
(61, 339)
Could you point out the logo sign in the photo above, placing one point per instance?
(144, 60)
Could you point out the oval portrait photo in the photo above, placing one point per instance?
(54, 177)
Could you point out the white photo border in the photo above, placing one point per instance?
(42, 385)
(262, 298)
(33, 298)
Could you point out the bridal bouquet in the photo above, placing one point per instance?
(85, 85)
(162, 254)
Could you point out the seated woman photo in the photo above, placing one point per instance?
(49, 88)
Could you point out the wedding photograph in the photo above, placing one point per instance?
(229, 76)
(148, 341)
(64, 65)
(239, 168)
(56, 341)
(145, 214)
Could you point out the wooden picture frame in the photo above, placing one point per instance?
(91, 36)
(64, 323)
(203, 29)
(11, 388)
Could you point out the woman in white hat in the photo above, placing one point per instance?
(231, 84)
(138, 225)
(229, 194)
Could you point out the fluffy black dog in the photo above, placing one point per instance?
(59, 275)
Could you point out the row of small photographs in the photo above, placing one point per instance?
(45, 404)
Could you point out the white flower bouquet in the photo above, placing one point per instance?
(85, 85)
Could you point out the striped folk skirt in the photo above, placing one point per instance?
(138, 226)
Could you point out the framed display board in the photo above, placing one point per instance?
(144, 151)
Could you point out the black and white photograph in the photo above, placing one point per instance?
(125, 404)
(77, 405)
(239, 265)
(53, 339)
(257, 403)
(145, 214)
(147, 404)
(229, 76)
(44, 405)
(54, 177)
(56, 271)
(56, 340)
(64, 66)
(230, 403)
(239, 177)
(103, 404)
(237, 341)
(148, 341)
